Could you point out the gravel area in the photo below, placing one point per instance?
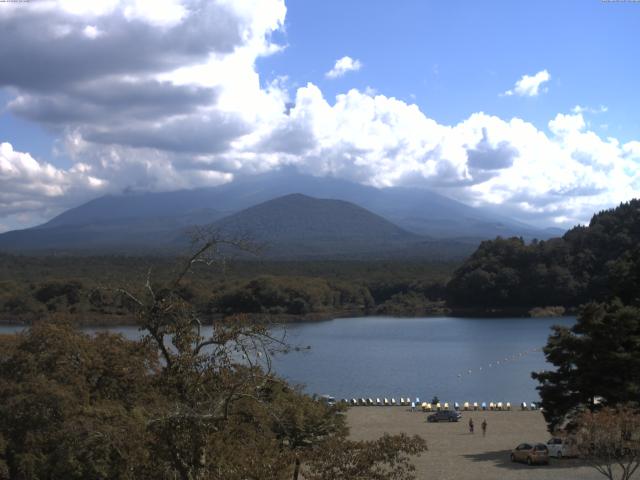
(454, 453)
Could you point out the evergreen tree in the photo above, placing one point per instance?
(597, 362)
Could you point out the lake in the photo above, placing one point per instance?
(457, 359)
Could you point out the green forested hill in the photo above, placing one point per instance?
(596, 262)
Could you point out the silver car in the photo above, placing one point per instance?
(562, 447)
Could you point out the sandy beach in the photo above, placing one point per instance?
(454, 453)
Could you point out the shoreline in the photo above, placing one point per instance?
(103, 321)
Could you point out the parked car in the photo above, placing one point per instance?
(445, 416)
(328, 400)
(531, 453)
(562, 447)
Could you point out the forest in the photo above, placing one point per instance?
(598, 262)
(86, 290)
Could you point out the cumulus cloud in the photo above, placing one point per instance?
(163, 95)
(32, 188)
(560, 177)
(138, 72)
(342, 66)
(529, 86)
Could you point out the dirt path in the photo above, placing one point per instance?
(454, 453)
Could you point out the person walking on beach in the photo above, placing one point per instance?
(484, 427)
(470, 425)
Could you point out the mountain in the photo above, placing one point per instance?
(298, 225)
(141, 221)
(120, 234)
(418, 210)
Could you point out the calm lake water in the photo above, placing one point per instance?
(457, 359)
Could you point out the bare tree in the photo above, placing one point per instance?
(226, 415)
(609, 440)
(205, 370)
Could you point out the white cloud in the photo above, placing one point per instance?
(342, 66)
(581, 109)
(484, 160)
(529, 86)
(564, 124)
(32, 188)
(91, 32)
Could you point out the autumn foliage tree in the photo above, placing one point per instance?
(609, 440)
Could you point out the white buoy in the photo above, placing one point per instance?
(378, 402)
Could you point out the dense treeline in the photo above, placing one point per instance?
(597, 262)
(87, 289)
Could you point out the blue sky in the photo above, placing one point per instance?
(526, 107)
(453, 58)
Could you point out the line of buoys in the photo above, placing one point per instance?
(503, 361)
(429, 407)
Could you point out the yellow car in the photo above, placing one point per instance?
(531, 454)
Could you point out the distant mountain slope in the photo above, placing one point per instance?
(297, 224)
(418, 210)
(142, 221)
(126, 234)
(288, 227)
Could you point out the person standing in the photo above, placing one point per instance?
(484, 427)
(471, 425)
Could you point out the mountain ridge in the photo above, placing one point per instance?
(138, 221)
